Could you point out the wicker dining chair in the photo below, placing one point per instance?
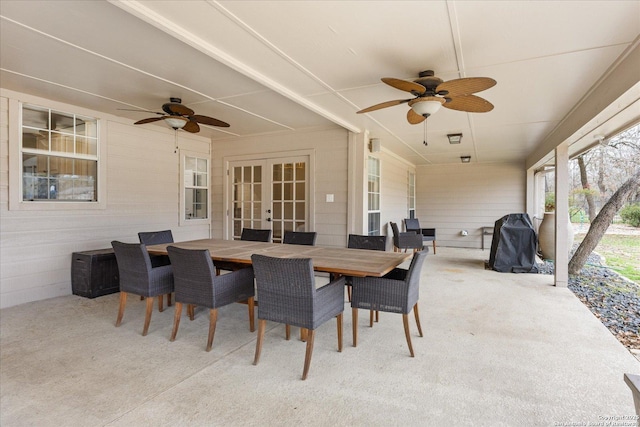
(157, 238)
(197, 284)
(250, 235)
(373, 243)
(396, 292)
(138, 277)
(405, 240)
(307, 238)
(288, 295)
(256, 235)
(428, 234)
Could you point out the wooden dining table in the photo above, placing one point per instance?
(339, 261)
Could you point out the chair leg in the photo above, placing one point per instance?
(176, 321)
(147, 316)
(307, 357)
(251, 305)
(169, 299)
(349, 292)
(160, 300)
(262, 324)
(303, 334)
(405, 320)
(354, 325)
(415, 312)
(339, 322)
(191, 311)
(371, 313)
(287, 331)
(377, 316)
(434, 247)
(123, 303)
(213, 318)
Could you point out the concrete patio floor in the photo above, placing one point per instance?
(498, 349)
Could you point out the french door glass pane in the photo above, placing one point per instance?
(288, 198)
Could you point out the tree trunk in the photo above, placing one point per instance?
(600, 224)
(591, 204)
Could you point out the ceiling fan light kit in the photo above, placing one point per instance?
(427, 105)
(176, 122)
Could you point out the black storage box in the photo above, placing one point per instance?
(94, 273)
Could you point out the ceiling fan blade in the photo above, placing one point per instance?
(205, 120)
(466, 86)
(192, 127)
(177, 108)
(406, 85)
(414, 118)
(469, 103)
(383, 105)
(149, 120)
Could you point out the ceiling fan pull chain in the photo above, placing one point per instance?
(425, 134)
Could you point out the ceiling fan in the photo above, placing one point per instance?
(179, 116)
(431, 92)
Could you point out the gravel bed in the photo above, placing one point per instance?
(613, 299)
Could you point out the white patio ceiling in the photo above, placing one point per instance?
(278, 66)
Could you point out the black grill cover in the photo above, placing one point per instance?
(513, 248)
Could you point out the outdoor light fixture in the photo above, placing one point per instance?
(176, 122)
(454, 138)
(465, 159)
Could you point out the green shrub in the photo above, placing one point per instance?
(631, 215)
(550, 202)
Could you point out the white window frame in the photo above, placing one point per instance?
(15, 158)
(186, 185)
(370, 193)
(411, 194)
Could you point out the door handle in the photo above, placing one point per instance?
(269, 219)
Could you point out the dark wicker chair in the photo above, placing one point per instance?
(256, 235)
(407, 240)
(197, 285)
(373, 243)
(288, 295)
(428, 234)
(157, 238)
(138, 277)
(396, 292)
(250, 235)
(300, 238)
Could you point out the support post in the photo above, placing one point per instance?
(561, 265)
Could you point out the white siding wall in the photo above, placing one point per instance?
(142, 194)
(466, 197)
(331, 155)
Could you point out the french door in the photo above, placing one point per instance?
(269, 194)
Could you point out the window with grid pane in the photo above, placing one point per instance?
(196, 188)
(59, 156)
(373, 204)
(411, 194)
